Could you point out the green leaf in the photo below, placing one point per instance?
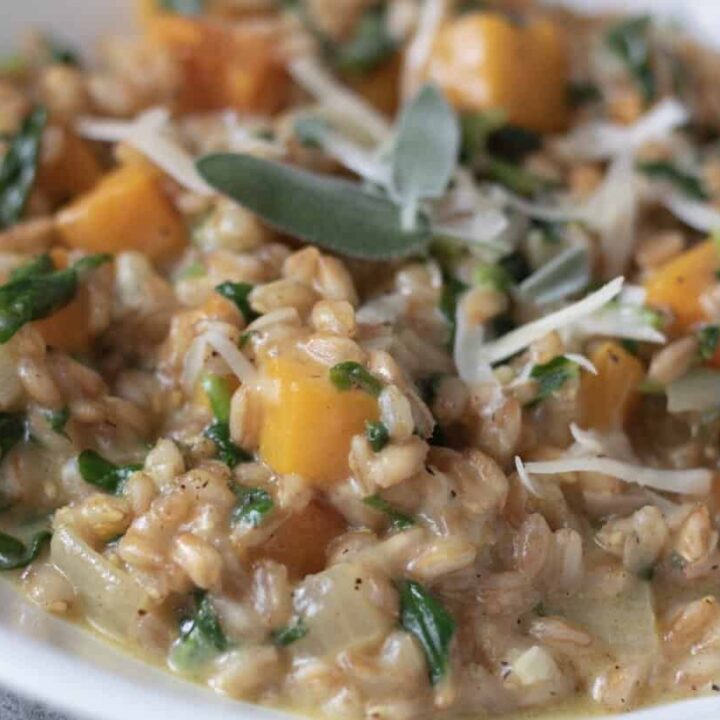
(708, 340)
(377, 434)
(57, 419)
(18, 167)
(253, 505)
(369, 47)
(583, 93)
(492, 277)
(239, 293)
(424, 617)
(201, 638)
(62, 53)
(630, 42)
(96, 470)
(398, 520)
(12, 431)
(15, 554)
(89, 263)
(311, 131)
(290, 633)
(184, 7)
(333, 213)
(426, 150)
(39, 265)
(553, 375)
(219, 394)
(228, 451)
(515, 178)
(513, 143)
(451, 292)
(690, 185)
(476, 129)
(351, 375)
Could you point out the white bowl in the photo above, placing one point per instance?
(66, 667)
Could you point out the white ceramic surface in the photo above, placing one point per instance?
(49, 660)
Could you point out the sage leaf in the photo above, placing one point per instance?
(567, 273)
(18, 167)
(426, 151)
(15, 554)
(690, 185)
(333, 213)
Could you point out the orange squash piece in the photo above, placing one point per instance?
(222, 66)
(300, 543)
(678, 285)
(308, 425)
(127, 210)
(482, 60)
(606, 399)
(73, 171)
(69, 328)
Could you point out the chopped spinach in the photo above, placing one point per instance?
(449, 298)
(351, 375)
(377, 434)
(690, 185)
(427, 620)
(492, 277)
(553, 375)
(583, 93)
(629, 41)
(253, 505)
(239, 293)
(39, 265)
(708, 340)
(57, 419)
(15, 554)
(12, 431)
(96, 470)
(217, 389)
(201, 637)
(516, 266)
(228, 451)
(18, 167)
(290, 633)
(398, 520)
(513, 143)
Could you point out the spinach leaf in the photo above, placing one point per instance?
(228, 451)
(583, 93)
(708, 341)
(427, 145)
(553, 375)
(97, 471)
(369, 47)
(239, 293)
(377, 434)
(690, 185)
(201, 637)
(184, 7)
(424, 617)
(40, 265)
(12, 431)
(290, 633)
(629, 41)
(351, 375)
(333, 213)
(398, 520)
(449, 298)
(57, 419)
(18, 167)
(36, 294)
(15, 554)
(253, 505)
(219, 394)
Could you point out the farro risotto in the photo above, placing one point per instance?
(363, 358)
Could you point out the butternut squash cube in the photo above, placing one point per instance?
(606, 399)
(308, 423)
(127, 210)
(482, 60)
(679, 283)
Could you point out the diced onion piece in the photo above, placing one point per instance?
(697, 391)
(523, 336)
(337, 608)
(687, 482)
(111, 599)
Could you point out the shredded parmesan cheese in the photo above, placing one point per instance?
(420, 47)
(236, 361)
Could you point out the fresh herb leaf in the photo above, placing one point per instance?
(201, 638)
(351, 375)
(290, 633)
(228, 451)
(690, 185)
(96, 470)
(516, 266)
(398, 520)
(553, 375)
(426, 150)
(449, 298)
(424, 617)
(583, 93)
(333, 213)
(371, 45)
(15, 554)
(515, 178)
(12, 431)
(630, 42)
(492, 277)
(57, 419)
(708, 340)
(18, 167)
(239, 293)
(40, 265)
(377, 435)
(253, 505)
(219, 394)
(184, 7)
(513, 143)
(476, 129)
(34, 295)
(89, 263)
(311, 131)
